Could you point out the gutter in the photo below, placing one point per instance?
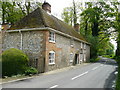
(47, 28)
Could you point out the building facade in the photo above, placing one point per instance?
(49, 42)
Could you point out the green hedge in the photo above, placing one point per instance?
(94, 59)
(14, 62)
(31, 71)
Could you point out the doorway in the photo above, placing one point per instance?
(76, 59)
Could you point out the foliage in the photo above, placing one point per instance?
(14, 62)
(14, 11)
(94, 46)
(95, 25)
(71, 14)
(30, 71)
(94, 59)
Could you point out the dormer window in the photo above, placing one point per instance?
(52, 37)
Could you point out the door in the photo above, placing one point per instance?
(76, 59)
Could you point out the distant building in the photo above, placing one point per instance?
(49, 42)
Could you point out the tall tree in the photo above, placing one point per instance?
(74, 14)
(14, 11)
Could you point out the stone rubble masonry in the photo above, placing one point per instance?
(35, 43)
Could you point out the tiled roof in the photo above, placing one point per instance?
(39, 18)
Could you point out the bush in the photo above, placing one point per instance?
(31, 70)
(14, 62)
(94, 59)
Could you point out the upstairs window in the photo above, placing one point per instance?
(84, 46)
(81, 45)
(51, 57)
(52, 37)
(72, 43)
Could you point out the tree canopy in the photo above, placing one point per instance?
(97, 24)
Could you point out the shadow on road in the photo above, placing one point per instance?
(112, 76)
(107, 61)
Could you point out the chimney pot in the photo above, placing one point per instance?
(47, 7)
(77, 27)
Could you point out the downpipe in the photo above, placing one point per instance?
(21, 40)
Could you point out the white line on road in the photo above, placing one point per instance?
(54, 86)
(94, 68)
(79, 75)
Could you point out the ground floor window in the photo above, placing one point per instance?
(71, 57)
(51, 57)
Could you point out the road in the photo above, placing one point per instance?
(95, 75)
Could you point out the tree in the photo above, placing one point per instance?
(71, 14)
(14, 11)
(67, 15)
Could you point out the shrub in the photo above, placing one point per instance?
(94, 59)
(14, 62)
(31, 70)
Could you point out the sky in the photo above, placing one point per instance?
(58, 5)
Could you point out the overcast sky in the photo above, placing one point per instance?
(58, 5)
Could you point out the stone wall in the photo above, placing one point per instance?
(31, 42)
(63, 47)
(36, 45)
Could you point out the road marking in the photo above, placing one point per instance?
(54, 86)
(79, 75)
(95, 68)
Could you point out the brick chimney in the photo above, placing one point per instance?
(47, 7)
(77, 27)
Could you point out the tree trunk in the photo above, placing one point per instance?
(3, 13)
(95, 30)
(74, 16)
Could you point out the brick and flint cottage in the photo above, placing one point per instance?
(49, 42)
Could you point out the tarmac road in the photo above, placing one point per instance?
(94, 75)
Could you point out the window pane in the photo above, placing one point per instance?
(52, 57)
(52, 36)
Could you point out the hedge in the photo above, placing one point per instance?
(14, 62)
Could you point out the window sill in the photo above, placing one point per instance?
(71, 61)
(51, 41)
(51, 63)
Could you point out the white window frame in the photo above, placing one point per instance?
(84, 46)
(71, 57)
(84, 57)
(52, 37)
(51, 58)
(81, 45)
(72, 43)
